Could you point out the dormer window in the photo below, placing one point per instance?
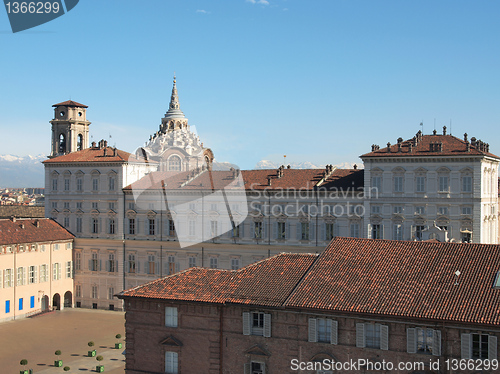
(497, 280)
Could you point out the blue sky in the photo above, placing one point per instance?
(319, 81)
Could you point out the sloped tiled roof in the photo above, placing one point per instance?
(299, 179)
(363, 276)
(70, 103)
(451, 146)
(95, 154)
(22, 211)
(27, 231)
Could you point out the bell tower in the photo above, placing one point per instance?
(70, 128)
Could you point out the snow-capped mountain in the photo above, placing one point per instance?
(22, 171)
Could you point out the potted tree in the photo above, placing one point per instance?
(118, 345)
(58, 363)
(99, 368)
(24, 362)
(91, 353)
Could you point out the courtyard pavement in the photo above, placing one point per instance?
(36, 339)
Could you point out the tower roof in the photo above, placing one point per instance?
(70, 103)
(174, 110)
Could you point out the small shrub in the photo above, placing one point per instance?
(99, 358)
(67, 368)
(58, 352)
(24, 362)
(90, 344)
(118, 336)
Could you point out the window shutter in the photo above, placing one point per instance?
(165, 268)
(492, 347)
(413, 232)
(312, 337)
(263, 367)
(466, 346)
(138, 263)
(116, 266)
(100, 265)
(157, 268)
(264, 229)
(177, 267)
(247, 368)
(436, 343)
(267, 325)
(411, 340)
(242, 229)
(99, 229)
(381, 231)
(146, 267)
(384, 337)
(299, 230)
(108, 265)
(360, 335)
(287, 230)
(146, 227)
(90, 265)
(275, 230)
(312, 231)
(334, 333)
(369, 231)
(246, 323)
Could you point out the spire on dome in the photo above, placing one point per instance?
(174, 110)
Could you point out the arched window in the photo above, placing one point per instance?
(174, 163)
(62, 143)
(79, 142)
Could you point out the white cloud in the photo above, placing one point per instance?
(202, 11)
(263, 2)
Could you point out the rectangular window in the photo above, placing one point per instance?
(420, 184)
(95, 225)
(78, 260)
(377, 231)
(66, 222)
(467, 210)
(21, 276)
(372, 335)
(111, 228)
(95, 293)
(151, 226)
(443, 184)
(418, 231)
(170, 316)
(78, 224)
(171, 264)
(398, 209)
(258, 323)
(32, 275)
(214, 262)
(398, 184)
(192, 206)
(111, 263)
(304, 231)
(131, 226)
(66, 184)
(324, 330)
(21, 302)
(79, 184)
(171, 362)
(111, 293)
(329, 231)
(95, 205)
(44, 276)
(281, 230)
(235, 263)
(192, 261)
(131, 263)
(66, 205)
(171, 227)
(131, 206)
(7, 306)
(151, 264)
(235, 232)
(466, 184)
(111, 183)
(354, 230)
(443, 210)
(54, 205)
(8, 278)
(425, 339)
(375, 209)
(213, 228)
(94, 262)
(56, 271)
(398, 232)
(78, 290)
(54, 184)
(420, 210)
(377, 183)
(32, 302)
(257, 367)
(213, 207)
(480, 346)
(95, 184)
(257, 230)
(111, 206)
(69, 269)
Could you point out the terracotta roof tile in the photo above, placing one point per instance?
(95, 155)
(374, 277)
(22, 211)
(27, 231)
(451, 146)
(70, 103)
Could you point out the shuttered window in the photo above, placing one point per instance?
(372, 335)
(170, 316)
(423, 340)
(479, 346)
(323, 330)
(257, 323)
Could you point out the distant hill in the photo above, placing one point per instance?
(18, 172)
